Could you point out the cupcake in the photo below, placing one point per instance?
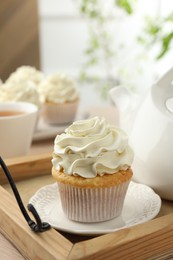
(24, 74)
(60, 99)
(92, 166)
(21, 91)
(22, 85)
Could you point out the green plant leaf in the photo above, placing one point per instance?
(169, 18)
(126, 5)
(166, 41)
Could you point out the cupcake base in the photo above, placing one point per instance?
(92, 204)
(55, 114)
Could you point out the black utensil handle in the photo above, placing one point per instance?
(36, 227)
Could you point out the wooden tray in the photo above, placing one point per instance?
(150, 240)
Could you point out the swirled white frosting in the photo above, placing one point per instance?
(24, 74)
(92, 147)
(22, 85)
(23, 91)
(58, 88)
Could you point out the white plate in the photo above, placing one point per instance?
(45, 131)
(141, 204)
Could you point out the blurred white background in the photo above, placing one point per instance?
(64, 35)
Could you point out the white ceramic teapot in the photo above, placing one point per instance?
(150, 129)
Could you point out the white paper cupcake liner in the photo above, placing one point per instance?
(92, 204)
(60, 113)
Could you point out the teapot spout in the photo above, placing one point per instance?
(122, 99)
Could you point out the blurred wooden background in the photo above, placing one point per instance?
(19, 35)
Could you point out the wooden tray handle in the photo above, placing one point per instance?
(27, 167)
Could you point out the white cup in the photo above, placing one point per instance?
(17, 125)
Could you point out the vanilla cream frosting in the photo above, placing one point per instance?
(92, 147)
(22, 85)
(23, 91)
(58, 88)
(24, 74)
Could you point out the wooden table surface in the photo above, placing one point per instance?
(7, 250)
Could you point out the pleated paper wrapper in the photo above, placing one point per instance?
(92, 204)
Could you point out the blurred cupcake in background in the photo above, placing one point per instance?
(20, 91)
(60, 99)
(22, 85)
(24, 74)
